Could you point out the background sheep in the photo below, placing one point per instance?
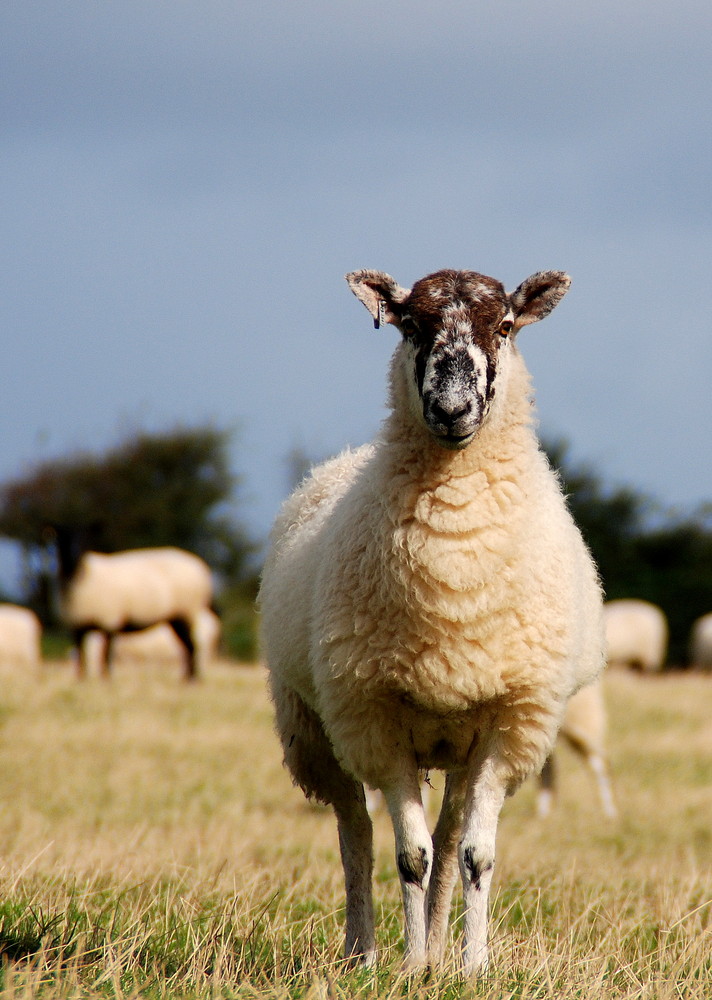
(133, 590)
(584, 729)
(428, 603)
(20, 633)
(636, 634)
(701, 643)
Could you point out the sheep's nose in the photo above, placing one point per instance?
(448, 415)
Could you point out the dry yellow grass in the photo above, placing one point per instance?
(151, 844)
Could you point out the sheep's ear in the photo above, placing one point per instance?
(380, 293)
(538, 295)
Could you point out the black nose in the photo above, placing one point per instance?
(448, 416)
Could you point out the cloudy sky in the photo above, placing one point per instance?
(186, 183)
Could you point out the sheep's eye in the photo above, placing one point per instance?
(506, 327)
(408, 326)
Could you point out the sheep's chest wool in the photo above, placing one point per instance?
(427, 602)
(435, 585)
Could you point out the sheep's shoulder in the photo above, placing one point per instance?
(316, 496)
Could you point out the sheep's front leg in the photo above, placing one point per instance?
(599, 767)
(414, 857)
(476, 855)
(444, 874)
(107, 661)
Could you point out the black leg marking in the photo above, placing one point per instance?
(78, 636)
(413, 868)
(475, 869)
(181, 627)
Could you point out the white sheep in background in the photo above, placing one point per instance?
(428, 603)
(133, 590)
(157, 645)
(701, 643)
(20, 634)
(636, 634)
(584, 729)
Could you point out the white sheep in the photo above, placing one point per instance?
(584, 729)
(636, 634)
(428, 603)
(133, 590)
(701, 643)
(20, 634)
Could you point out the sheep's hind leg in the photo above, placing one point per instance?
(107, 660)
(79, 637)
(414, 857)
(356, 846)
(182, 629)
(310, 758)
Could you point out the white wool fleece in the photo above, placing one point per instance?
(412, 590)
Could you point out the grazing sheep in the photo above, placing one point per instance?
(584, 729)
(20, 633)
(636, 635)
(701, 643)
(131, 591)
(428, 603)
(158, 645)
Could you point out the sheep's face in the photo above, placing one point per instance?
(457, 327)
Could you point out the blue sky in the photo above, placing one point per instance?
(185, 185)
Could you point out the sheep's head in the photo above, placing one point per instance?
(457, 328)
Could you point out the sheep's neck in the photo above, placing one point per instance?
(457, 492)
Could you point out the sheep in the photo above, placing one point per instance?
(636, 634)
(20, 633)
(157, 644)
(584, 729)
(701, 643)
(427, 602)
(130, 591)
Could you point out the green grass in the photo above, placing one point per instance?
(151, 845)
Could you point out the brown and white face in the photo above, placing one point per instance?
(457, 328)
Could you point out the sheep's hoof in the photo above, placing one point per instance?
(414, 963)
(477, 965)
(360, 959)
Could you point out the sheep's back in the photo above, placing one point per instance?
(137, 588)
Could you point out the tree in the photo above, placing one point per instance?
(153, 489)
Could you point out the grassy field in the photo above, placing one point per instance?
(152, 845)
